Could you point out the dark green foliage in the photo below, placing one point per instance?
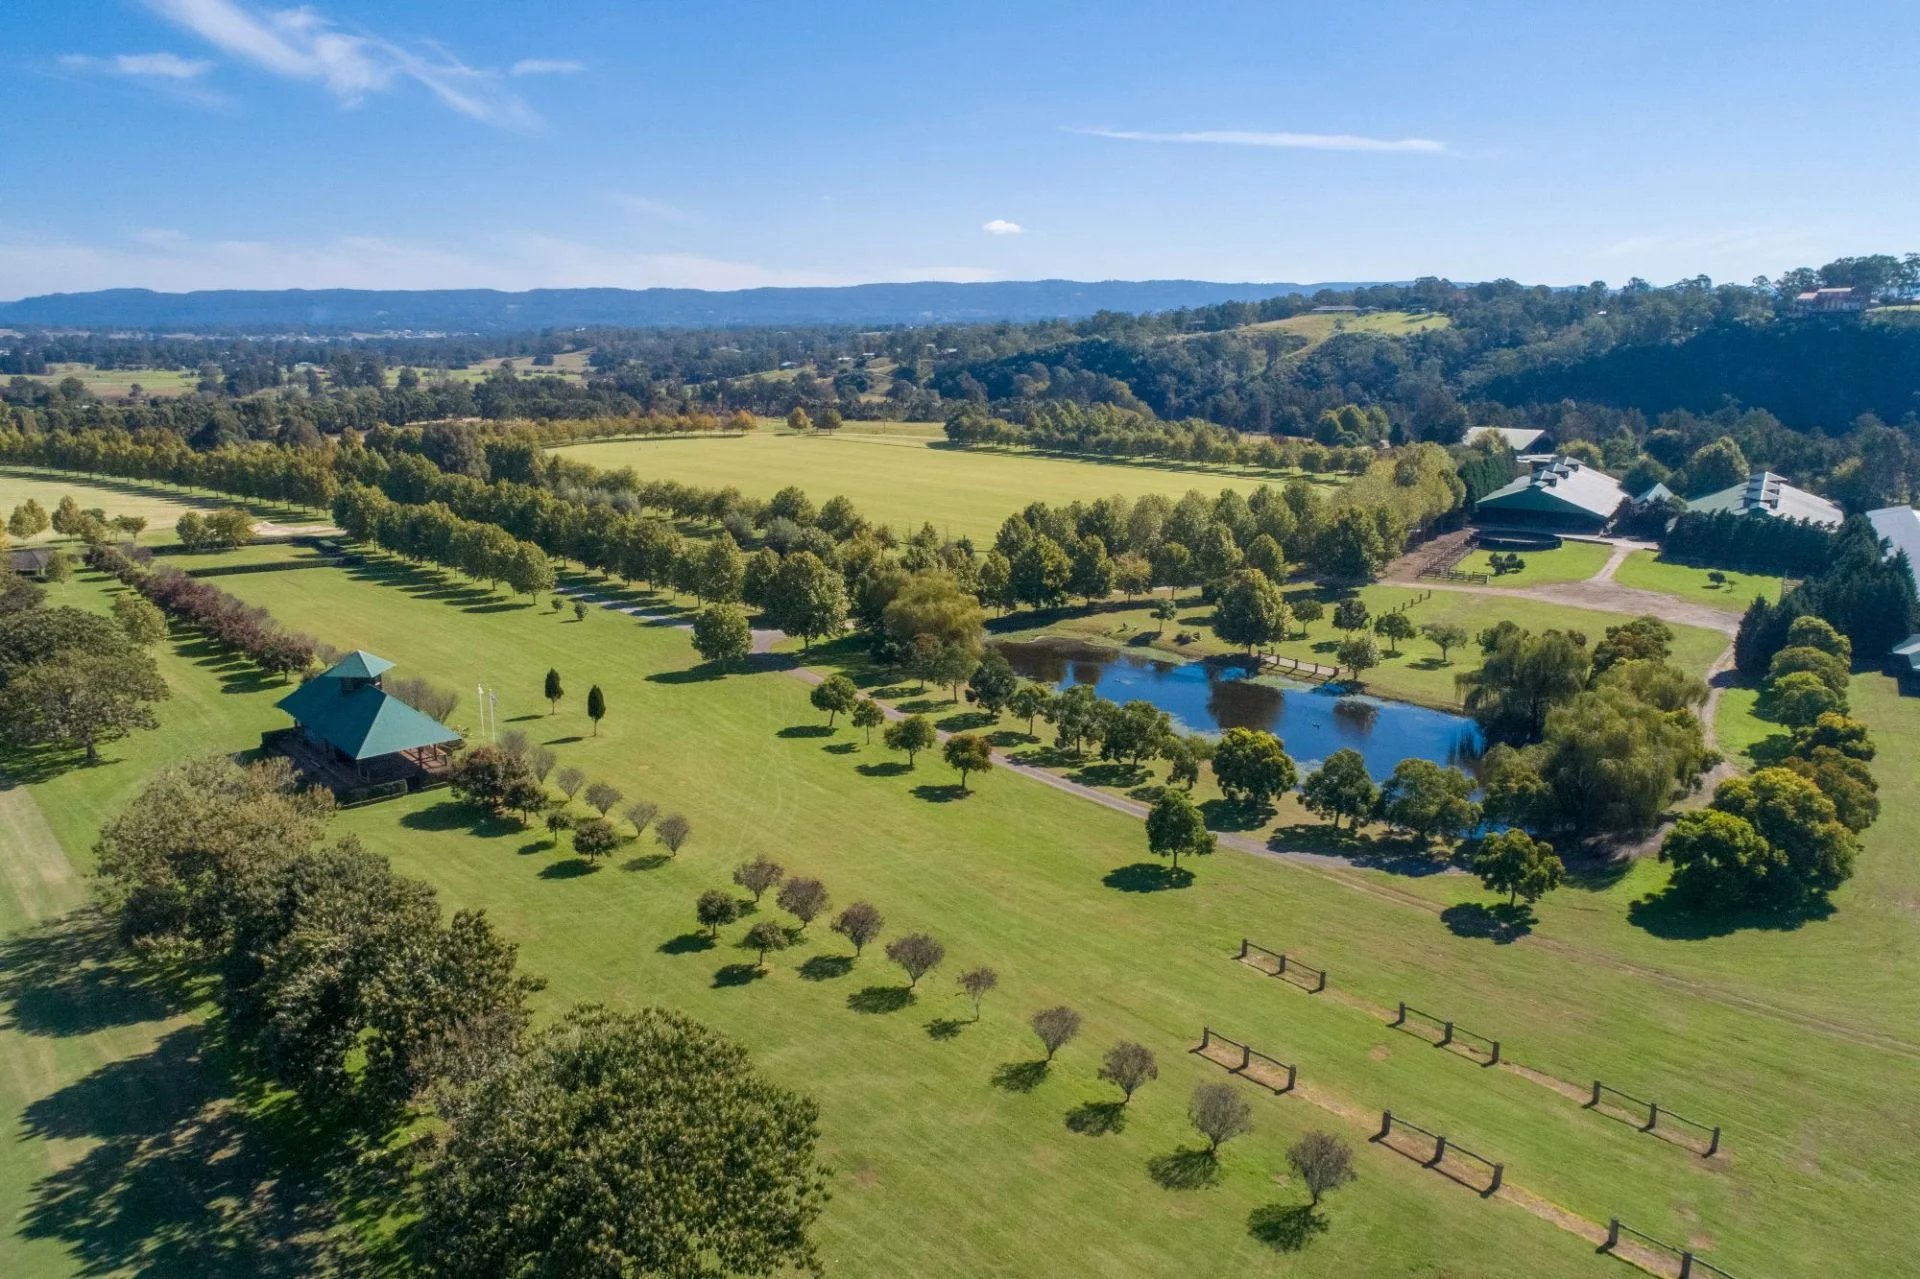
(1341, 787)
(1252, 766)
(1429, 800)
(1175, 826)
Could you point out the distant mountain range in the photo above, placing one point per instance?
(489, 310)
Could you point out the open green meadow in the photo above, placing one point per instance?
(1646, 570)
(907, 479)
(118, 384)
(1571, 561)
(1318, 328)
(952, 1153)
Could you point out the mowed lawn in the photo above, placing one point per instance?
(1800, 1043)
(1649, 572)
(159, 508)
(906, 481)
(1571, 561)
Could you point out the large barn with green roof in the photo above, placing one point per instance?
(350, 731)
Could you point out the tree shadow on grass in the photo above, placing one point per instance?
(940, 793)
(646, 861)
(924, 705)
(1019, 1076)
(686, 944)
(805, 730)
(964, 721)
(826, 967)
(1006, 738)
(1147, 877)
(1184, 1169)
(944, 1028)
(880, 999)
(737, 975)
(841, 748)
(891, 768)
(1285, 1227)
(1672, 916)
(1500, 924)
(705, 673)
(448, 814)
(1097, 1118)
(571, 868)
(1374, 852)
(71, 976)
(1222, 814)
(1108, 774)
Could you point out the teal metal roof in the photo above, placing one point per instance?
(362, 722)
(1560, 487)
(359, 664)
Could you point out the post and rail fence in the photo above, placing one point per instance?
(1277, 963)
(1691, 1265)
(1443, 1147)
(1452, 1034)
(1694, 1132)
(1255, 1065)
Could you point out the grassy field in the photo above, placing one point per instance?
(1646, 570)
(1569, 562)
(159, 508)
(1318, 328)
(950, 1154)
(571, 365)
(907, 479)
(118, 384)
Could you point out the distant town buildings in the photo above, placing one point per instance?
(1830, 302)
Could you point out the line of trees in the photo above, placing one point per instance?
(71, 679)
(232, 623)
(433, 533)
(1860, 592)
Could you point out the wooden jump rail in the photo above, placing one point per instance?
(1456, 575)
(1286, 969)
(1655, 1114)
(1442, 1147)
(1324, 674)
(1421, 598)
(1690, 1265)
(1451, 1034)
(1248, 1056)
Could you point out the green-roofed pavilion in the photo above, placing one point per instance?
(342, 717)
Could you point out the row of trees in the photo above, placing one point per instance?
(342, 981)
(233, 624)
(433, 533)
(1110, 431)
(1859, 591)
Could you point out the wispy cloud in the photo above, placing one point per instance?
(168, 73)
(301, 44)
(546, 66)
(1286, 141)
(647, 205)
(1000, 226)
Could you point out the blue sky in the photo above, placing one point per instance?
(179, 144)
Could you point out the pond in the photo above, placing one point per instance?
(1207, 697)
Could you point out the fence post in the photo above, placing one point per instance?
(1496, 1054)
(1323, 982)
(1243, 948)
(1713, 1147)
(1386, 1125)
(1439, 1150)
(1686, 1265)
(1613, 1233)
(1290, 1077)
(1206, 1037)
(1447, 1038)
(1653, 1115)
(1499, 1175)
(1401, 1020)
(1596, 1093)
(1246, 1056)
(1283, 963)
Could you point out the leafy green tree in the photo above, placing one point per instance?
(1055, 1028)
(859, 923)
(1358, 654)
(1429, 800)
(619, 1143)
(715, 909)
(595, 838)
(807, 598)
(1028, 702)
(917, 954)
(596, 707)
(552, 691)
(1351, 547)
(722, 572)
(1523, 677)
(1514, 863)
(1824, 666)
(1252, 766)
(1614, 762)
(1306, 610)
(968, 753)
(993, 683)
(1815, 848)
(1393, 627)
(1091, 573)
(1341, 787)
(1351, 614)
(1164, 611)
(78, 699)
(1184, 755)
(1846, 781)
(1251, 611)
(1135, 732)
(1040, 572)
(1715, 466)
(1801, 698)
(1644, 639)
(1720, 860)
(529, 571)
(1810, 631)
(143, 623)
(835, 694)
(935, 604)
(763, 937)
(1175, 826)
(1848, 736)
(721, 634)
(868, 715)
(912, 735)
(1446, 636)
